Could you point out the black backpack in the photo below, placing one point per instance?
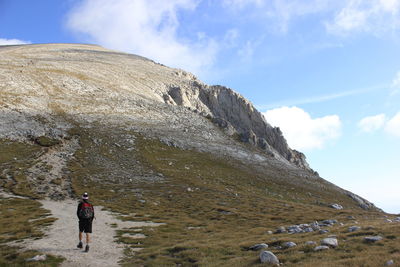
(86, 211)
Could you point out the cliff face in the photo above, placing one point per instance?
(236, 115)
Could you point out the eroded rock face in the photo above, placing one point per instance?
(250, 123)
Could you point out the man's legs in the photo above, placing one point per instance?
(80, 240)
(87, 242)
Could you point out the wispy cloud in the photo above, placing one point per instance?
(12, 41)
(374, 16)
(322, 98)
(340, 17)
(145, 27)
(372, 123)
(395, 85)
(381, 121)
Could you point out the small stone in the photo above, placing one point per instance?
(289, 244)
(336, 206)
(330, 241)
(268, 257)
(389, 262)
(269, 232)
(388, 220)
(372, 239)
(258, 246)
(280, 230)
(323, 231)
(330, 222)
(308, 230)
(321, 248)
(38, 258)
(354, 228)
(311, 243)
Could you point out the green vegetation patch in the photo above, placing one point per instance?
(21, 219)
(15, 159)
(46, 141)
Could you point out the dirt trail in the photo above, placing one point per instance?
(62, 237)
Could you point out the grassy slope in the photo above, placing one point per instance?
(213, 208)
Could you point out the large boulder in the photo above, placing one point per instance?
(330, 241)
(269, 258)
(289, 244)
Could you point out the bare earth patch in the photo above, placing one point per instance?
(62, 237)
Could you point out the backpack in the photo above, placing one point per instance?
(86, 211)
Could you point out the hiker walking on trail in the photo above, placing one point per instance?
(85, 213)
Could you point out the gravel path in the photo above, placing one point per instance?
(62, 237)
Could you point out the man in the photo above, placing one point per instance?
(85, 213)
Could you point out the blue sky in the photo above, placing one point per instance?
(326, 72)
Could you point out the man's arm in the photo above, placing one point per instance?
(79, 208)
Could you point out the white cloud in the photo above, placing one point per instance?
(145, 27)
(393, 125)
(374, 16)
(12, 42)
(300, 130)
(372, 123)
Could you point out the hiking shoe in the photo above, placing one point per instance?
(87, 248)
(79, 245)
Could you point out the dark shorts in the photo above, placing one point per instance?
(85, 226)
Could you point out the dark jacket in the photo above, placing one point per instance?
(79, 208)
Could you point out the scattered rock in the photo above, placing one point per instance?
(280, 230)
(268, 257)
(388, 220)
(258, 246)
(372, 239)
(389, 262)
(323, 231)
(351, 217)
(354, 228)
(397, 219)
(289, 244)
(336, 206)
(38, 258)
(329, 222)
(311, 243)
(321, 248)
(294, 229)
(269, 232)
(330, 241)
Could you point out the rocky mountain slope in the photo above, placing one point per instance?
(89, 81)
(152, 142)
